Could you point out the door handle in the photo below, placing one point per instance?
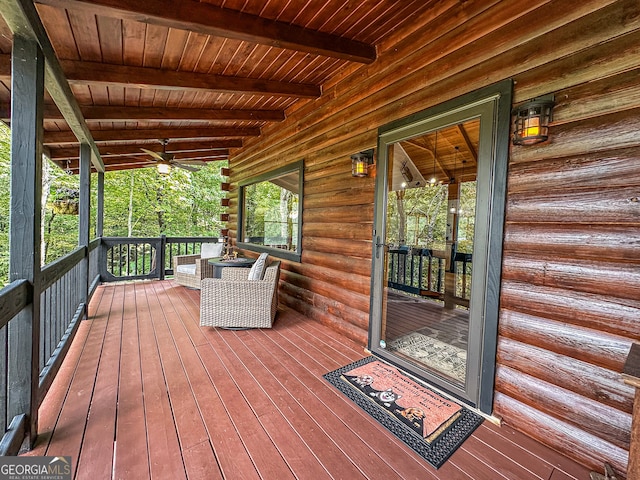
(378, 245)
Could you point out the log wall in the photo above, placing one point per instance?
(571, 269)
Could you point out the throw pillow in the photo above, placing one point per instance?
(258, 268)
(211, 250)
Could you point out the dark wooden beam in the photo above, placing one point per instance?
(63, 153)
(208, 19)
(27, 91)
(219, 153)
(144, 77)
(66, 136)
(84, 222)
(182, 114)
(467, 142)
(22, 18)
(100, 207)
(155, 114)
(81, 73)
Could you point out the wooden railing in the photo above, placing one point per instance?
(128, 258)
(64, 293)
(63, 298)
(65, 287)
(421, 271)
(14, 298)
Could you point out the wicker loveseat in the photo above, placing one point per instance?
(233, 301)
(189, 270)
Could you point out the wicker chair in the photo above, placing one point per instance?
(189, 270)
(236, 302)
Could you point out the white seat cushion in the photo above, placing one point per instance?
(258, 268)
(211, 250)
(188, 268)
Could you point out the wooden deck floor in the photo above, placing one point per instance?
(146, 393)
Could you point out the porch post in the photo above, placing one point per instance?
(27, 98)
(452, 243)
(84, 223)
(100, 206)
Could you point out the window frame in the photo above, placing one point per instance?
(295, 256)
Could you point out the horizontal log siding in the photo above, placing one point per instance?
(569, 302)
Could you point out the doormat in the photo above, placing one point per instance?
(445, 358)
(431, 425)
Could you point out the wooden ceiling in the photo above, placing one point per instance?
(448, 155)
(205, 75)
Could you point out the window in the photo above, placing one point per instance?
(270, 218)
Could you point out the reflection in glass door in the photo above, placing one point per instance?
(440, 187)
(431, 206)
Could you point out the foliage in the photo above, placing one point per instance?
(179, 204)
(5, 184)
(418, 217)
(269, 211)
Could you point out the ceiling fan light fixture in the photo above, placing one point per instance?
(164, 167)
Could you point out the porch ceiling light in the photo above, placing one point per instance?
(164, 168)
(360, 163)
(532, 121)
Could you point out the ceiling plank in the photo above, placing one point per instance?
(66, 136)
(63, 153)
(78, 72)
(156, 114)
(201, 17)
(22, 17)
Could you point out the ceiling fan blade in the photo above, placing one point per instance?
(193, 162)
(186, 167)
(156, 155)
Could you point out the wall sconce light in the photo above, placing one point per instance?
(164, 168)
(360, 163)
(406, 175)
(532, 121)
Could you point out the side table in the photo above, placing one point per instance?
(240, 262)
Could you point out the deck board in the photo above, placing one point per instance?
(164, 456)
(181, 401)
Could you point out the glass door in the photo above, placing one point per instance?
(438, 236)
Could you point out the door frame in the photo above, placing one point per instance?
(493, 103)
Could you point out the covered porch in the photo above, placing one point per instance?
(146, 393)
(103, 85)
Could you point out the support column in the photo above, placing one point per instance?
(84, 223)
(100, 206)
(451, 242)
(27, 98)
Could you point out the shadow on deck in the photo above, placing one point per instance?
(146, 393)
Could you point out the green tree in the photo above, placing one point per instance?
(144, 203)
(5, 185)
(137, 202)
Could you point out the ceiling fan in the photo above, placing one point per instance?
(164, 161)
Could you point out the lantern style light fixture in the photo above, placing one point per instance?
(360, 163)
(164, 167)
(532, 121)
